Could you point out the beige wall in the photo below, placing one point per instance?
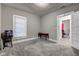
(33, 21)
(0, 27)
(49, 21)
(0, 18)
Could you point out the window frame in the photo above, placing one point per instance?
(14, 26)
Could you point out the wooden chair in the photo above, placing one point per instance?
(7, 37)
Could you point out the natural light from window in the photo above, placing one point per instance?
(19, 26)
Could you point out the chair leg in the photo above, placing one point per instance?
(3, 45)
(11, 44)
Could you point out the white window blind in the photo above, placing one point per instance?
(19, 26)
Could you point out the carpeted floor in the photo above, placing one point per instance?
(38, 47)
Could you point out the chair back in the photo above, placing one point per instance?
(7, 34)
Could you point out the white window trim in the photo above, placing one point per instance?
(14, 26)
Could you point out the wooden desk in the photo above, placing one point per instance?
(46, 35)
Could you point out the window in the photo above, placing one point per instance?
(19, 26)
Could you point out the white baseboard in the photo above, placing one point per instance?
(52, 40)
(75, 46)
(19, 41)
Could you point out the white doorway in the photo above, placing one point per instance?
(64, 29)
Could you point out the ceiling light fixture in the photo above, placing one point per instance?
(42, 4)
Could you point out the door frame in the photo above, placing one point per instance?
(59, 22)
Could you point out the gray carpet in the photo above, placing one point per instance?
(38, 47)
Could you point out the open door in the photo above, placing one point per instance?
(75, 30)
(64, 19)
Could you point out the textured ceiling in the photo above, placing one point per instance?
(32, 8)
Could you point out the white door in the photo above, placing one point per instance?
(75, 30)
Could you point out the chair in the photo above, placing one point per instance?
(7, 37)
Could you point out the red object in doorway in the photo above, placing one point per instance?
(62, 26)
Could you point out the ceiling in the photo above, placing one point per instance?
(32, 8)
